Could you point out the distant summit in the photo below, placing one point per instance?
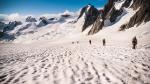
(30, 19)
(112, 12)
(90, 14)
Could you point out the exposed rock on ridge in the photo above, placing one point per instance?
(91, 14)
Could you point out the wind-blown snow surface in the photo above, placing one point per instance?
(60, 54)
(73, 64)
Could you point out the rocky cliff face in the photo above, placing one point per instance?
(112, 13)
(91, 14)
(97, 26)
(142, 15)
(108, 8)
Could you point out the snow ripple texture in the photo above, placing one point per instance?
(73, 64)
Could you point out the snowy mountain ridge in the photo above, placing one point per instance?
(69, 48)
(117, 16)
(30, 24)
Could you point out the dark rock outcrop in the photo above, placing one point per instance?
(30, 19)
(91, 14)
(126, 3)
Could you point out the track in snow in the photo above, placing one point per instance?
(74, 64)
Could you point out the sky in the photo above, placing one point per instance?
(45, 6)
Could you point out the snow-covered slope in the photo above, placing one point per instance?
(73, 64)
(53, 27)
(58, 52)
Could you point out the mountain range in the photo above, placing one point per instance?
(118, 15)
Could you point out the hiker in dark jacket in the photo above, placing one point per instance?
(90, 42)
(134, 43)
(104, 42)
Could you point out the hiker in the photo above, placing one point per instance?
(134, 42)
(104, 42)
(90, 42)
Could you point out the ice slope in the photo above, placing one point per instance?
(73, 64)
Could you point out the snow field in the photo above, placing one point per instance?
(74, 64)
